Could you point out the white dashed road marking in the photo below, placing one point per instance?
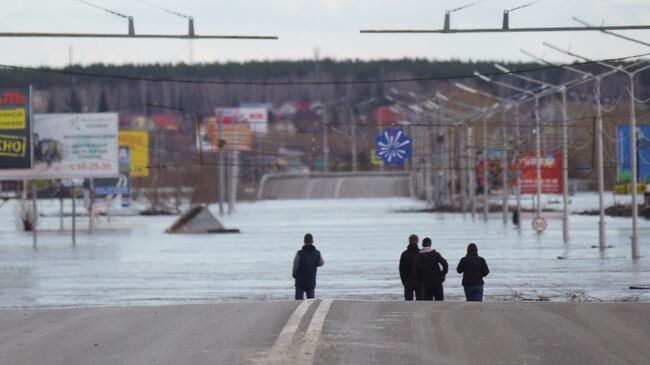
(310, 342)
(280, 350)
(304, 351)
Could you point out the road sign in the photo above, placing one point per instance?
(539, 224)
(393, 146)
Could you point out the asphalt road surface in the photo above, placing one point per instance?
(330, 332)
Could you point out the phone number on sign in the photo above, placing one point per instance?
(91, 166)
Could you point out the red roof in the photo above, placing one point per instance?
(385, 115)
(165, 121)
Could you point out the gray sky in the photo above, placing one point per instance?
(303, 25)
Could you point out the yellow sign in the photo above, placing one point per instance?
(374, 159)
(138, 144)
(13, 146)
(13, 118)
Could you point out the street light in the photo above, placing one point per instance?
(599, 141)
(565, 149)
(633, 138)
(510, 103)
(460, 118)
(538, 153)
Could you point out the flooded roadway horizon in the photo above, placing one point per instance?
(131, 261)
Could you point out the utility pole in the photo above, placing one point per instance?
(504, 169)
(222, 179)
(91, 204)
(472, 169)
(565, 167)
(634, 169)
(353, 134)
(34, 215)
(326, 147)
(234, 176)
(518, 157)
(600, 168)
(486, 184)
(462, 164)
(538, 159)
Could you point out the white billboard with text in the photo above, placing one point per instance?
(72, 145)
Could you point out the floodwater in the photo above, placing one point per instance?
(130, 261)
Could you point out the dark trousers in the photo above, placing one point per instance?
(474, 293)
(300, 293)
(412, 288)
(431, 291)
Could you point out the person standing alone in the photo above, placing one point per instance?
(305, 265)
(411, 284)
(474, 269)
(430, 269)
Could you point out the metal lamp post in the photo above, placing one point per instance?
(599, 138)
(538, 153)
(510, 103)
(561, 88)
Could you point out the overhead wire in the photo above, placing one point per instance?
(525, 5)
(466, 6)
(104, 9)
(159, 7)
(618, 102)
(70, 72)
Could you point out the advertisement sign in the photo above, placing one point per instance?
(236, 135)
(72, 145)
(624, 158)
(15, 128)
(137, 143)
(256, 118)
(551, 171)
(495, 171)
(119, 186)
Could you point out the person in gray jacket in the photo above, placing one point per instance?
(305, 265)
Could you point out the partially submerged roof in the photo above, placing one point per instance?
(198, 219)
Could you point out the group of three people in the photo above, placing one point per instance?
(423, 272)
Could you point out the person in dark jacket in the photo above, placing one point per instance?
(474, 269)
(305, 264)
(411, 285)
(430, 268)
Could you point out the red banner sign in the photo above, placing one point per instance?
(551, 171)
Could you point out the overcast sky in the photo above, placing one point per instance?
(303, 25)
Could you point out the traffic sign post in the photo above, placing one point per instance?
(539, 224)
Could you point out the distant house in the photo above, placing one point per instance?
(165, 122)
(386, 115)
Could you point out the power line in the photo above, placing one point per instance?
(525, 5)
(104, 9)
(466, 6)
(291, 83)
(173, 12)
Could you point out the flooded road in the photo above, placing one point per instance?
(130, 261)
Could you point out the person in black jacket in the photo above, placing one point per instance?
(305, 264)
(411, 285)
(474, 269)
(430, 268)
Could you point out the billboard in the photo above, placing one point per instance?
(15, 128)
(551, 171)
(115, 186)
(138, 144)
(623, 157)
(256, 118)
(495, 170)
(71, 145)
(237, 136)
